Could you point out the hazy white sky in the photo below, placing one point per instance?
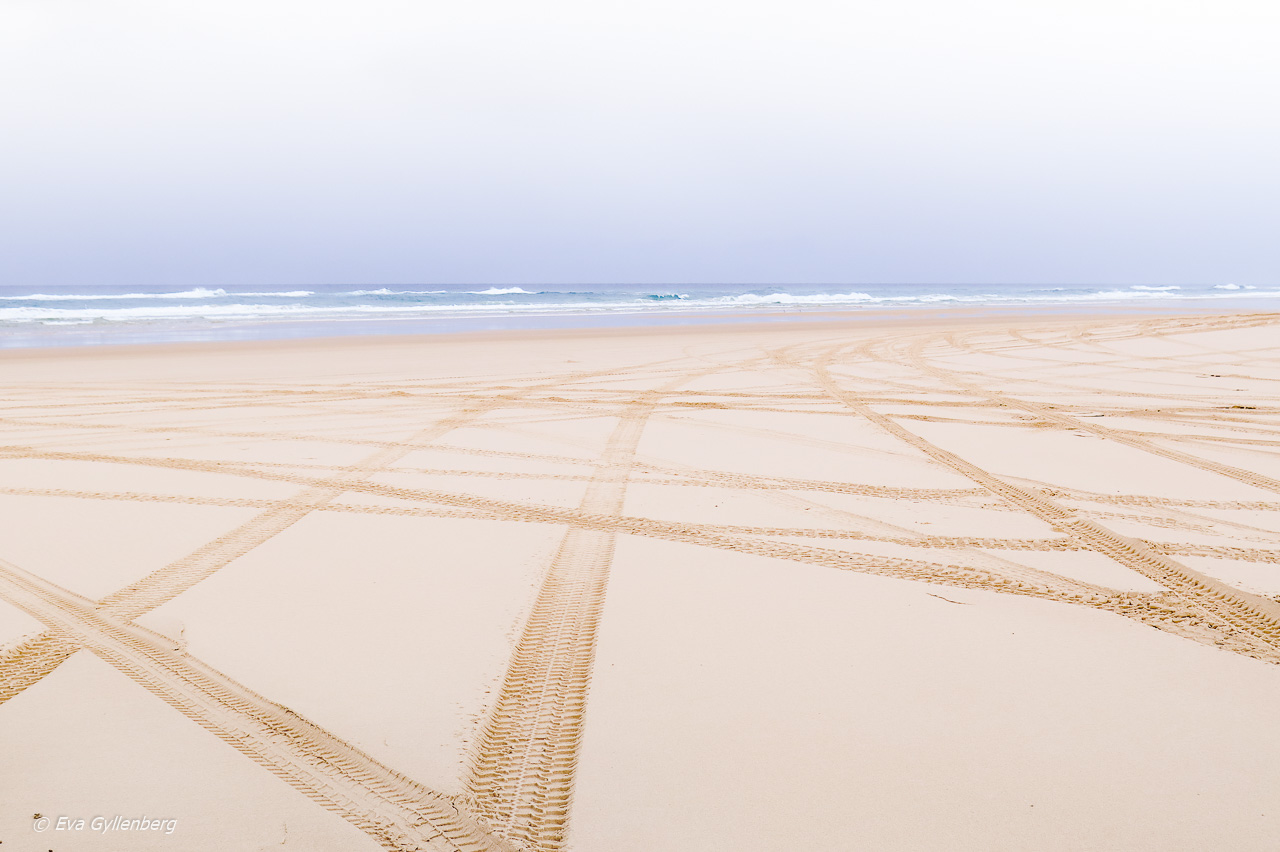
(237, 143)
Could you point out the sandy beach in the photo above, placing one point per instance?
(964, 583)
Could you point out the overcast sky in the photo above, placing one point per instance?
(261, 143)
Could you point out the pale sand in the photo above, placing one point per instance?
(997, 584)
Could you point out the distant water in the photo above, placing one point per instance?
(69, 317)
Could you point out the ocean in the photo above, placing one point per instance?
(99, 315)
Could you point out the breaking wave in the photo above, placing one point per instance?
(212, 308)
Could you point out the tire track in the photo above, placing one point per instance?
(1256, 617)
(166, 583)
(523, 764)
(35, 658)
(522, 774)
(1241, 554)
(668, 530)
(23, 664)
(673, 475)
(1257, 480)
(395, 810)
(904, 540)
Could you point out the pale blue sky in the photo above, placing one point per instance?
(254, 143)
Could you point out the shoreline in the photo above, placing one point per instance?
(811, 319)
(104, 333)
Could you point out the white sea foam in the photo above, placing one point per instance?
(249, 312)
(197, 293)
(930, 298)
(218, 307)
(789, 299)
